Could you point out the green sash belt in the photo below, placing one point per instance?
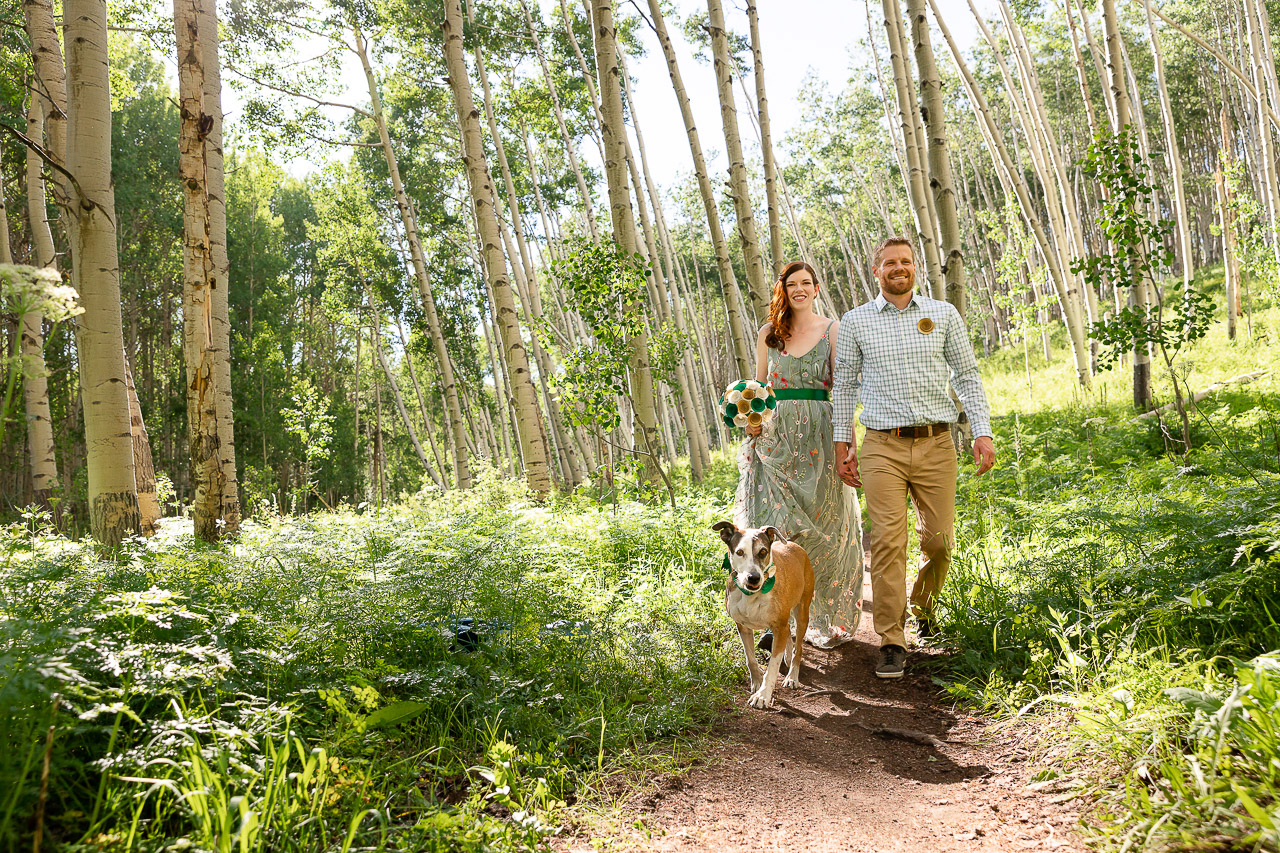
(800, 393)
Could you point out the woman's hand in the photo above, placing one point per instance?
(754, 431)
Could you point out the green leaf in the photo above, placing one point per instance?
(1195, 699)
(395, 713)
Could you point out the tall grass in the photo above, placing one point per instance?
(1137, 591)
(447, 674)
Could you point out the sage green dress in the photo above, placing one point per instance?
(787, 478)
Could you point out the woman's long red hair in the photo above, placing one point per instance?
(780, 313)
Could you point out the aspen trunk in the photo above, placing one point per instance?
(525, 398)
(1014, 183)
(144, 470)
(613, 132)
(1267, 150)
(400, 407)
(35, 383)
(202, 279)
(734, 308)
(409, 219)
(113, 496)
(756, 284)
(944, 194)
(1138, 287)
(766, 143)
(565, 136)
(920, 203)
(1172, 155)
(205, 474)
(221, 292)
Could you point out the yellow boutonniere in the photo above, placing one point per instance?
(925, 326)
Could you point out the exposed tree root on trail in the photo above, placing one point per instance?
(850, 762)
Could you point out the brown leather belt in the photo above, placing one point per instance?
(921, 431)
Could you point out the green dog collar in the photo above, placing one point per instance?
(768, 585)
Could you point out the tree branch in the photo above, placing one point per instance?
(48, 158)
(296, 94)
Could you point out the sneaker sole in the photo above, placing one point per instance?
(889, 674)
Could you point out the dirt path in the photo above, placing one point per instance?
(820, 773)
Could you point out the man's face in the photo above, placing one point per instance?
(896, 272)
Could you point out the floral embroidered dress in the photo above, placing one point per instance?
(787, 478)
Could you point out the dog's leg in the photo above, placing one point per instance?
(763, 697)
(749, 649)
(801, 613)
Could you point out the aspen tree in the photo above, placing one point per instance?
(113, 496)
(515, 357)
(944, 194)
(686, 390)
(920, 201)
(399, 399)
(1138, 287)
(144, 468)
(1268, 146)
(35, 383)
(613, 132)
(734, 308)
(757, 286)
(202, 278)
(766, 142)
(1012, 178)
(1173, 156)
(565, 136)
(409, 220)
(221, 268)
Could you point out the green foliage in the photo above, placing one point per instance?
(1094, 572)
(444, 675)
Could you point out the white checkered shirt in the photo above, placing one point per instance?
(899, 372)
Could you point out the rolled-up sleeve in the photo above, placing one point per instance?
(964, 375)
(848, 377)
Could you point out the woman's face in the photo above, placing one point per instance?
(802, 291)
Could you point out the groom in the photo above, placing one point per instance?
(895, 355)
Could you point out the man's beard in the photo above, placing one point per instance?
(899, 286)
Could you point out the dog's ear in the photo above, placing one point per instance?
(728, 531)
(773, 534)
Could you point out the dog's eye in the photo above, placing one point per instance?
(738, 552)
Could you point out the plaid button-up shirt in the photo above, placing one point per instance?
(886, 360)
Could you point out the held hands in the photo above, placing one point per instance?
(754, 431)
(984, 454)
(847, 464)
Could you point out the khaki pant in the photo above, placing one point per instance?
(894, 469)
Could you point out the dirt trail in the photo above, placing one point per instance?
(819, 773)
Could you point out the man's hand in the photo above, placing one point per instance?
(754, 431)
(847, 464)
(984, 453)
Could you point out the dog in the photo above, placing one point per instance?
(770, 581)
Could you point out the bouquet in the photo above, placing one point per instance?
(748, 403)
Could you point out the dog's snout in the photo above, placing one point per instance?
(753, 579)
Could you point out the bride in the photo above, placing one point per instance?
(787, 475)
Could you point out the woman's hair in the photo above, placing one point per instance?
(780, 314)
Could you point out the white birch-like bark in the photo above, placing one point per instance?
(409, 219)
(757, 286)
(1014, 182)
(202, 277)
(1138, 287)
(113, 496)
(734, 308)
(613, 132)
(766, 142)
(480, 183)
(35, 383)
(944, 194)
(920, 202)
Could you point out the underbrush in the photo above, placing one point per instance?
(453, 673)
(1103, 575)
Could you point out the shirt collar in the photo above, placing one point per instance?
(880, 301)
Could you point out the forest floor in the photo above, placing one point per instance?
(865, 764)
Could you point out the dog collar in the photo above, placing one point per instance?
(768, 584)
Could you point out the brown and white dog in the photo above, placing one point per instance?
(771, 580)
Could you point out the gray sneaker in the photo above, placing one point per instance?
(892, 662)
